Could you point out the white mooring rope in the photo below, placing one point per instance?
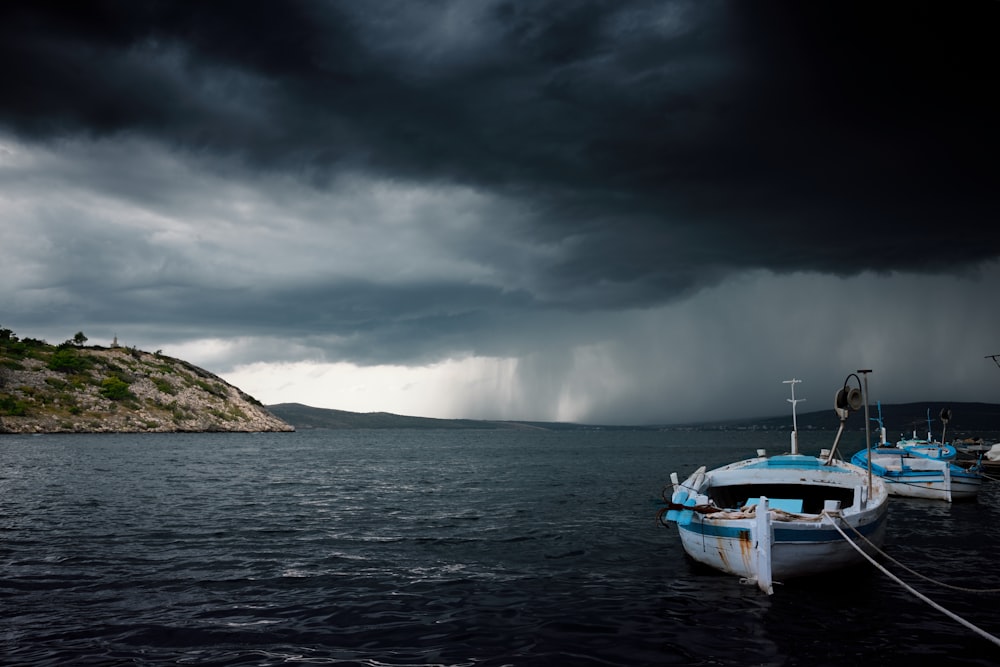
(937, 582)
(982, 633)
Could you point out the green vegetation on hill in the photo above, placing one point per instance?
(73, 388)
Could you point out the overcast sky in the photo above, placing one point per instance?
(606, 212)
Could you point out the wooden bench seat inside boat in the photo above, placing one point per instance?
(810, 499)
(784, 504)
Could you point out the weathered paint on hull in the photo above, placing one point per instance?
(798, 549)
(796, 543)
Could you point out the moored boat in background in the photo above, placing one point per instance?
(918, 468)
(990, 460)
(936, 449)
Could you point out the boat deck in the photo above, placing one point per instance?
(813, 497)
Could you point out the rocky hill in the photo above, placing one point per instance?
(78, 389)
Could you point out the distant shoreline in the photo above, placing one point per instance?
(968, 420)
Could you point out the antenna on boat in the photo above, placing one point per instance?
(795, 424)
(881, 424)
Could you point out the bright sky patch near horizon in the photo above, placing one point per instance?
(624, 213)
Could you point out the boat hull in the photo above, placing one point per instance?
(958, 490)
(910, 475)
(798, 549)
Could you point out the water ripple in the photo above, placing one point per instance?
(433, 548)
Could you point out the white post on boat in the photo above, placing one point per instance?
(882, 441)
(762, 530)
(868, 430)
(795, 424)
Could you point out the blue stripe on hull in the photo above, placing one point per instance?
(780, 534)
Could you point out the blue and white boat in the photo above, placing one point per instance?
(768, 519)
(917, 468)
(936, 449)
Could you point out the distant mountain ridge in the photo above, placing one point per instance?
(899, 418)
(967, 419)
(308, 417)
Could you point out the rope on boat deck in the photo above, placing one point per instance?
(955, 617)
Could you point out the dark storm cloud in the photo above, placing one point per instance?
(617, 211)
(664, 145)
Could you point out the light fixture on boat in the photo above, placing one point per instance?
(845, 401)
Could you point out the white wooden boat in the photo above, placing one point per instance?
(913, 474)
(921, 468)
(769, 519)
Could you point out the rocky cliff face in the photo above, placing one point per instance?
(44, 389)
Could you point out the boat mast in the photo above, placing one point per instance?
(868, 430)
(795, 424)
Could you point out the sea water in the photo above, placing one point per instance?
(419, 548)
